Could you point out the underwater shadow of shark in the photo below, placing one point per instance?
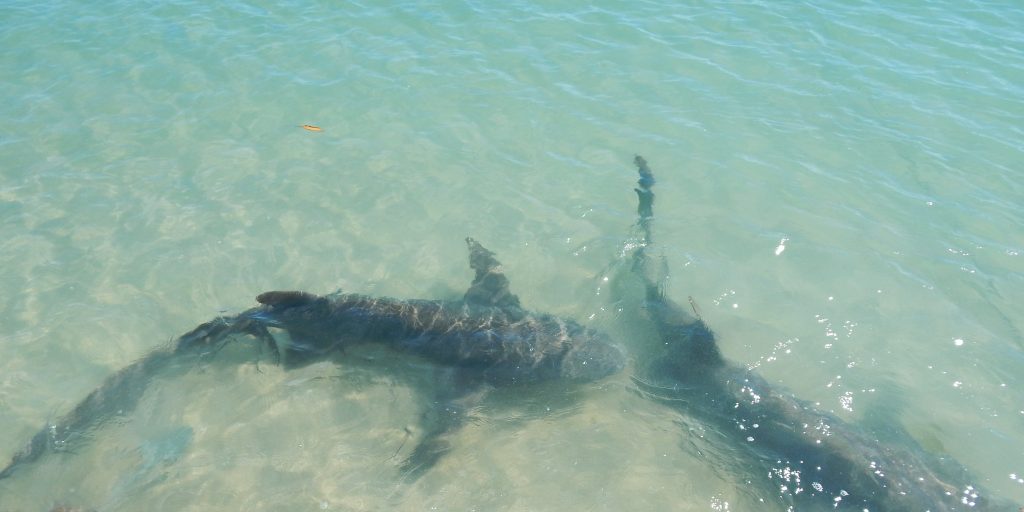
(792, 455)
(486, 339)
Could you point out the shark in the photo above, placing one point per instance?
(794, 456)
(483, 341)
(790, 454)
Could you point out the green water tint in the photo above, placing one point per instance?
(154, 176)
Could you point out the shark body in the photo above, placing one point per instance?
(485, 339)
(792, 454)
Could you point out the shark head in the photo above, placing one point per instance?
(592, 358)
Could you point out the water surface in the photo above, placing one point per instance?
(840, 191)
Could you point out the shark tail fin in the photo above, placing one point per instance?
(121, 392)
(118, 393)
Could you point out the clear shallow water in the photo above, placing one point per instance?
(154, 175)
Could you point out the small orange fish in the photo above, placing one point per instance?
(312, 128)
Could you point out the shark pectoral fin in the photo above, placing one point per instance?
(444, 419)
(291, 350)
(445, 415)
(262, 333)
(490, 286)
(285, 299)
(207, 334)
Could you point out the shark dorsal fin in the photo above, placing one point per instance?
(490, 286)
(285, 299)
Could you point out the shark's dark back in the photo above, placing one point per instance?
(502, 345)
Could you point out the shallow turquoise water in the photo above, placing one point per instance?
(839, 189)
